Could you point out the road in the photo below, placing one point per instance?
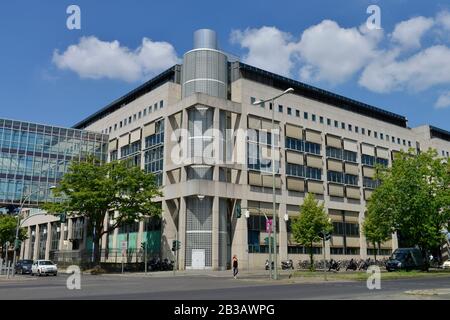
(206, 287)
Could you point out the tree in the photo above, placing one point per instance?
(8, 226)
(413, 198)
(92, 189)
(376, 231)
(309, 224)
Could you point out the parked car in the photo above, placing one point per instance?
(446, 264)
(46, 267)
(24, 266)
(406, 259)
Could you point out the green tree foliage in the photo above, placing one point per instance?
(311, 221)
(376, 231)
(93, 189)
(413, 198)
(8, 225)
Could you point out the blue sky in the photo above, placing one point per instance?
(401, 68)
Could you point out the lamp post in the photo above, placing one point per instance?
(16, 240)
(274, 221)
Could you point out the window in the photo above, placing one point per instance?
(367, 160)
(369, 183)
(139, 114)
(383, 162)
(295, 144)
(328, 121)
(375, 134)
(381, 136)
(321, 120)
(334, 153)
(115, 126)
(393, 139)
(145, 112)
(387, 137)
(289, 111)
(342, 125)
(313, 117)
(161, 104)
(312, 147)
(129, 119)
(349, 127)
(270, 106)
(295, 170)
(121, 124)
(356, 129)
(125, 122)
(349, 156)
(130, 149)
(351, 179)
(252, 100)
(297, 113)
(155, 106)
(150, 109)
(334, 176)
(305, 115)
(134, 117)
(363, 131)
(314, 173)
(404, 142)
(398, 140)
(409, 143)
(113, 155)
(336, 124)
(280, 108)
(369, 132)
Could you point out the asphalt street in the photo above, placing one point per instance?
(206, 287)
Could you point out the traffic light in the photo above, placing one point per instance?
(238, 210)
(176, 245)
(327, 236)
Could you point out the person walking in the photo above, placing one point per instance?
(235, 266)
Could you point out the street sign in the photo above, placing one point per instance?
(269, 225)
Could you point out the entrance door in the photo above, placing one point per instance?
(198, 258)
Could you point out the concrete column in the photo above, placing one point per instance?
(49, 241)
(36, 244)
(168, 228)
(27, 254)
(282, 240)
(182, 234)
(215, 233)
(61, 236)
(239, 245)
(69, 233)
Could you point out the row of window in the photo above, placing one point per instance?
(371, 160)
(127, 121)
(347, 229)
(303, 171)
(341, 154)
(301, 145)
(340, 177)
(337, 124)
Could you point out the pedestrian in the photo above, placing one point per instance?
(235, 266)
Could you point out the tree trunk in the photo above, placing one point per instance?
(311, 258)
(375, 250)
(96, 241)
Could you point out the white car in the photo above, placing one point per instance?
(446, 264)
(41, 267)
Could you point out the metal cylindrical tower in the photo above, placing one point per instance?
(205, 67)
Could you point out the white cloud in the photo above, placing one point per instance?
(334, 54)
(96, 59)
(268, 48)
(443, 19)
(443, 101)
(421, 71)
(409, 33)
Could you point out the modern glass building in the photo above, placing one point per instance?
(34, 157)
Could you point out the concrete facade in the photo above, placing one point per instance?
(338, 147)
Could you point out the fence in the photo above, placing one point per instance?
(133, 259)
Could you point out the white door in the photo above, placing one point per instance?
(198, 258)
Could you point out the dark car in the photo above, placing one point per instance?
(23, 266)
(406, 259)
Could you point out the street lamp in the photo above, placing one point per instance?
(274, 221)
(16, 240)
